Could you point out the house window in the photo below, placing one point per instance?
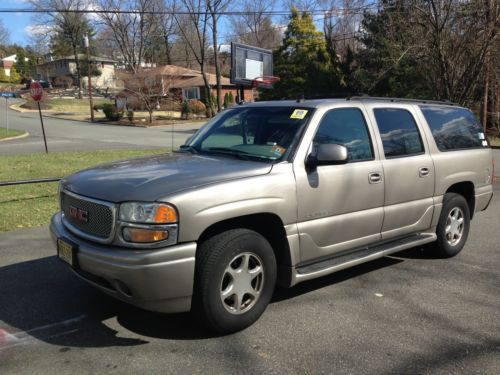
(191, 93)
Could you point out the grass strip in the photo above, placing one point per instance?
(31, 205)
(4, 133)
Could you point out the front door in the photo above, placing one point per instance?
(340, 207)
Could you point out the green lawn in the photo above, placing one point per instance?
(10, 133)
(33, 204)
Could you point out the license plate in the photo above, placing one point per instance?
(66, 251)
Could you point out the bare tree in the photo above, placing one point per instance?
(167, 26)
(69, 26)
(148, 88)
(130, 31)
(194, 28)
(255, 27)
(214, 8)
(460, 36)
(341, 26)
(4, 35)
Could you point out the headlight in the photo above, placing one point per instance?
(148, 213)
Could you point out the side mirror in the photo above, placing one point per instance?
(327, 154)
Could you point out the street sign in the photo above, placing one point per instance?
(36, 91)
(7, 94)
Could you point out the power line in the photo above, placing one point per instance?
(342, 11)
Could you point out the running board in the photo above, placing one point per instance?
(346, 260)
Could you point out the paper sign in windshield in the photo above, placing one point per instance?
(299, 114)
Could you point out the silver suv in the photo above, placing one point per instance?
(274, 193)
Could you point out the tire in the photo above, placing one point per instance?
(453, 226)
(235, 276)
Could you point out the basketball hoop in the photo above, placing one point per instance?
(265, 82)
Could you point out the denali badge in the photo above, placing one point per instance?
(79, 214)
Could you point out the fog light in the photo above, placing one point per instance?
(144, 235)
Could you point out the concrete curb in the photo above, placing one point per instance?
(16, 137)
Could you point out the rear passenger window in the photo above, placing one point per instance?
(347, 127)
(454, 128)
(399, 133)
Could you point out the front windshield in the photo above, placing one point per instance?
(256, 133)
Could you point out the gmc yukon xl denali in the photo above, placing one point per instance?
(274, 193)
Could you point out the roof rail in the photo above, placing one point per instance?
(404, 100)
(332, 95)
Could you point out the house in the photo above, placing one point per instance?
(51, 70)
(8, 62)
(185, 84)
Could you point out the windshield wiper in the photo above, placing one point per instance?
(229, 151)
(189, 148)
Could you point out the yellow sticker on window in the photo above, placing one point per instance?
(299, 114)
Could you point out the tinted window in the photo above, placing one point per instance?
(454, 128)
(346, 127)
(399, 133)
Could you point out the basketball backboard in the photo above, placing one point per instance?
(248, 63)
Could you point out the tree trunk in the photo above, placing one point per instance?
(208, 92)
(78, 70)
(167, 50)
(216, 61)
(485, 94)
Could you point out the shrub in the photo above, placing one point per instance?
(63, 81)
(186, 110)
(111, 112)
(226, 100)
(98, 107)
(130, 115)
(197, 107)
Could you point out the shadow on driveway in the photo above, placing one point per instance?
(42, 298)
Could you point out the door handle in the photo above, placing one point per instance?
(375, 177)
(423, 172)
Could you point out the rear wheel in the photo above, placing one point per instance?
(234, 280)
(453, 226)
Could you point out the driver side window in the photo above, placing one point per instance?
(347, 127)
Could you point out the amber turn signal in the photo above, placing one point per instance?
(144, 235)
(165, 214)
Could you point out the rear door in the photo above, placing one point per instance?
(408, 170)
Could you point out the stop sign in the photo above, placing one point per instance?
(36, 91)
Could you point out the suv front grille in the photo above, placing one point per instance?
(89, 217)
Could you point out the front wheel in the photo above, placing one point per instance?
(453, 225)
(234, 280)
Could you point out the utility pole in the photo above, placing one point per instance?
(87, 46)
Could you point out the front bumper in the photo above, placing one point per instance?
(157, 280)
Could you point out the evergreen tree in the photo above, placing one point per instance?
(303, 63)
(389, 64)
(14, 75)
(25, 63)
(3, 76)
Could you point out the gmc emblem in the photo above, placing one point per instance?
(79, 214)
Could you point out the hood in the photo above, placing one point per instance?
(153, 177)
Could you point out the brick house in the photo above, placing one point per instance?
(187, 84)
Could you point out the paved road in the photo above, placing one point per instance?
(405, 314)
(66, 135)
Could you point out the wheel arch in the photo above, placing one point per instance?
(467, 190)
(269, 225)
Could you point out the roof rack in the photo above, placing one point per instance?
(404, 100)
